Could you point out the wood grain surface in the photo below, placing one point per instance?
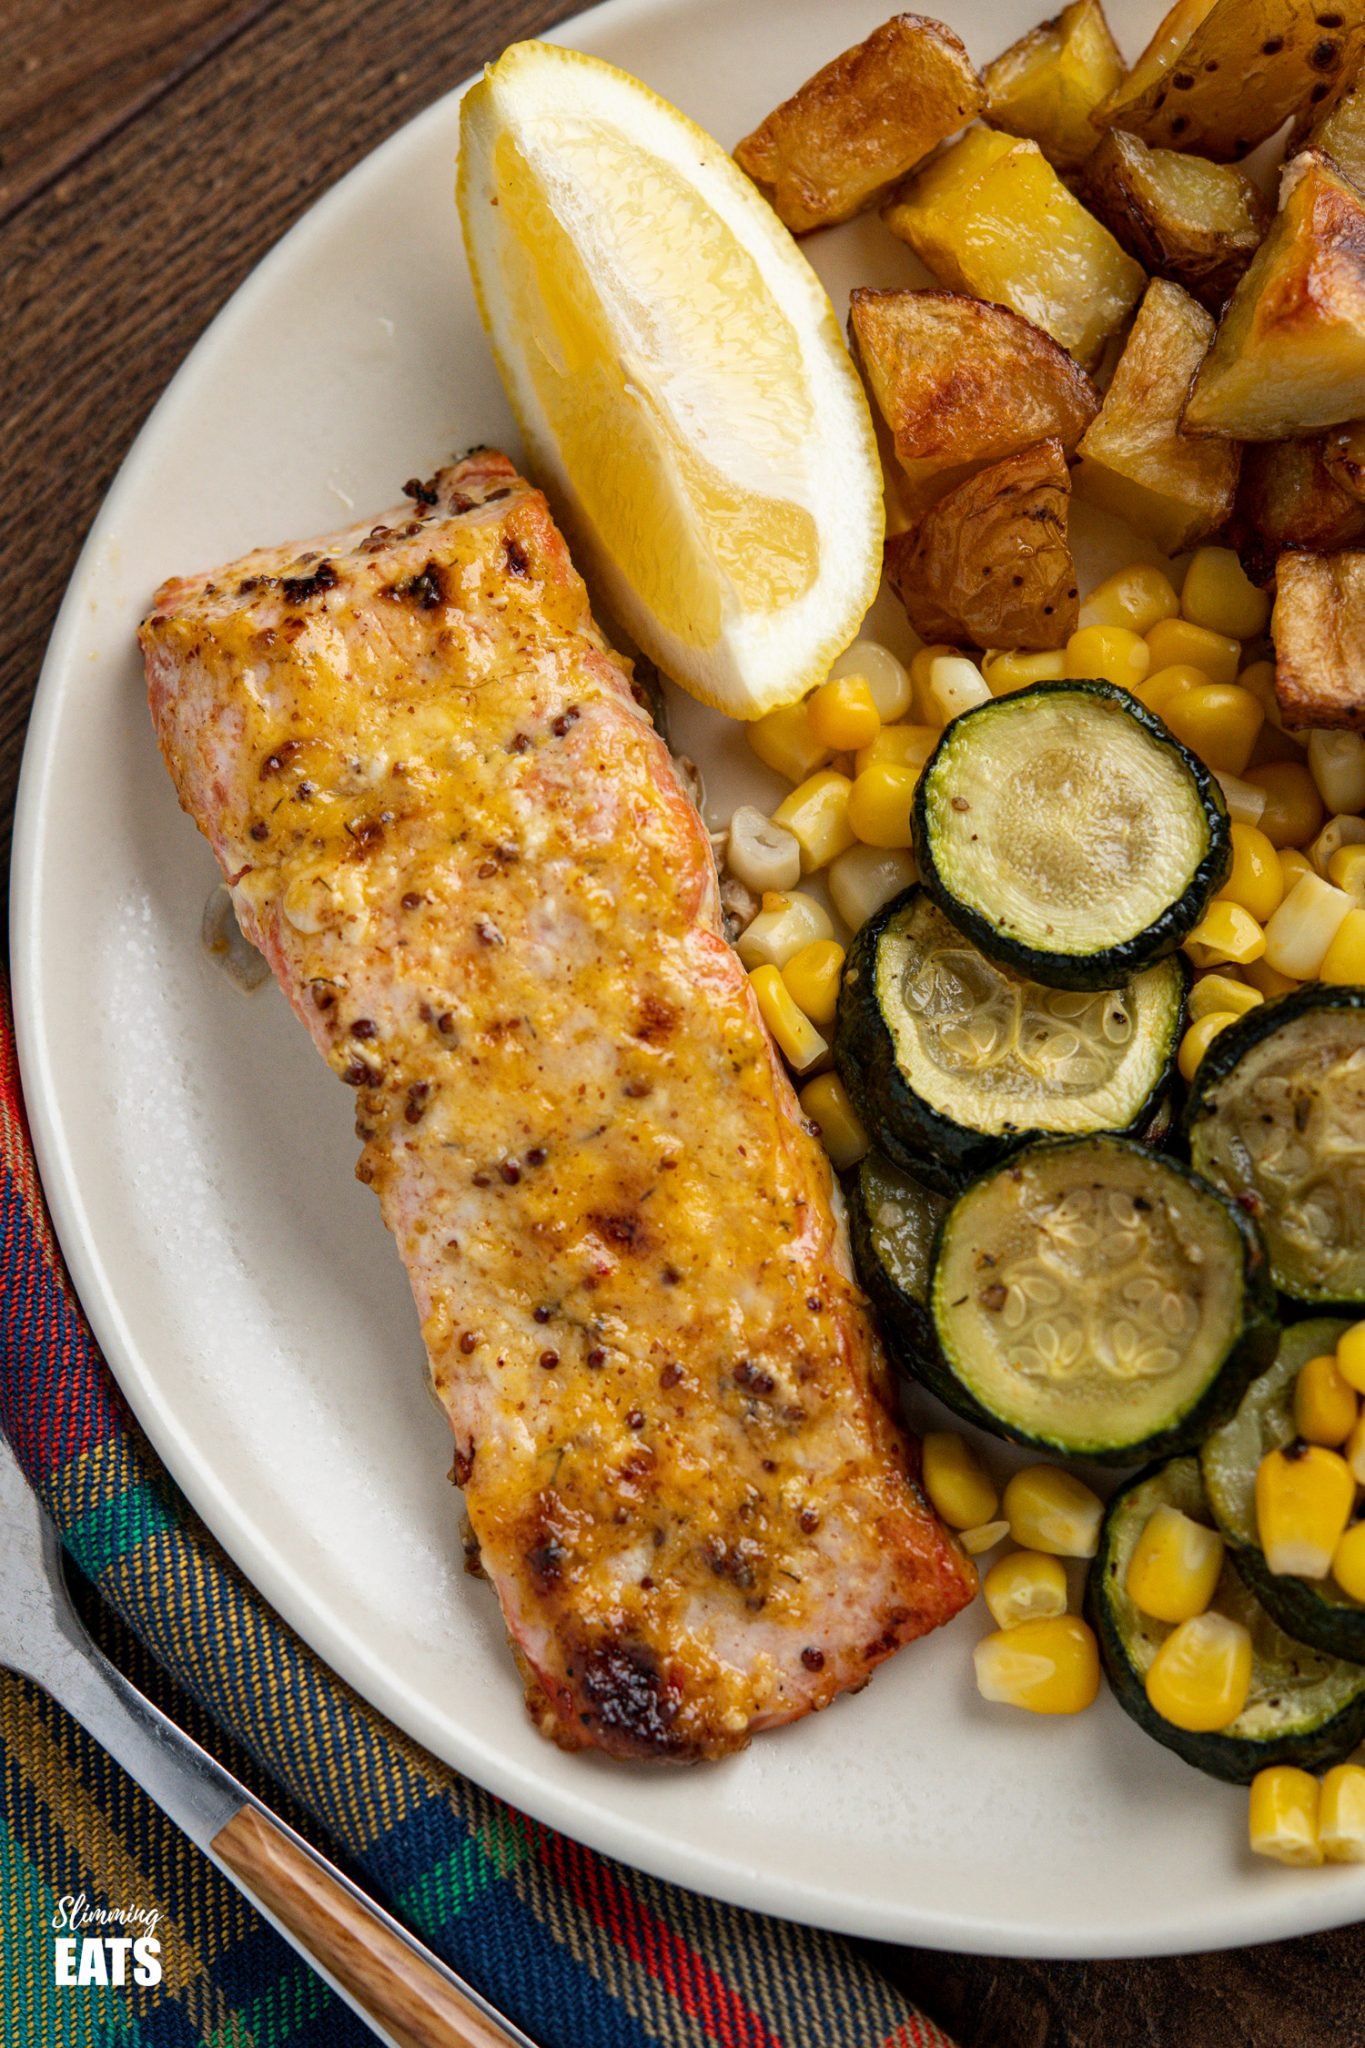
(151, 151)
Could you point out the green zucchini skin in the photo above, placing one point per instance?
(1250, 1352)
(1117, 963)
(1201, 1109)
(1315, 1613)
(944, 1154)
(1322, 1735)
(907, 1325)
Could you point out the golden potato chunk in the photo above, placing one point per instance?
(990, 216)
(1182, 217)
(1318, 627)
(990, 564)
(847, 135)
(1047, 84)
(1134, 459)
(960, 383)
(1220, 78)
(1289, 355)
(1289, 498)
(1336, 126)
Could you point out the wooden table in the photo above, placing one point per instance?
(151, 151)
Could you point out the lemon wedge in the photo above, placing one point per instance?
(678, 374)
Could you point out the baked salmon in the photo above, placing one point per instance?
(466, 853)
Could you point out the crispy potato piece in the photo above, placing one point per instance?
(991, 217)
(1343, 456)
(1336, 125)
(1220, 78)
(1289, 355)
(960, 383)
(1288, 498)
(1046, 85)
(1318, 626)
(1134, 459)
(1182, 217)
(990, 564)
(847, 135)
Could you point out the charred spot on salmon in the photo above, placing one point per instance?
(808, 1521)
(630, 1697)
(279, 757)
(411, 900)
(655, 1019)
(363, 1027)
(462, 1470)
(518, 561)
(510, 1171)
(559, 726)
(420, 493)
(813, 1659)
(624, 1230)
(416, 1107)
(536, 1156)
(549, 1360)
(754, 1379)
(671, 1375)
(597, 1356)
(260, 830)
(299, 589)
(426, 590)
(545, 1562)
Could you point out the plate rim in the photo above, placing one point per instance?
(715, 1874)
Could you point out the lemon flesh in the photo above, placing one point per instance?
(678, 374)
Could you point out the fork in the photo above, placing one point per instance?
(404, 1993)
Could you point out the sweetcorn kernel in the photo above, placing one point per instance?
(1225, 934)
(1111, 653)
(880, 803)
(843, 714)
(825, 1101)
(1219, 723)
(784, 742)
(956, 1481)
(813, 976)
(1180, 640)
(816, 815)
(887, 678)
(1199, 1038)
(1222, 992)
(1255, 879)
(1343, 964)
(1219, 594)
(1293, 809)
(1137, 598)
(1162, 687)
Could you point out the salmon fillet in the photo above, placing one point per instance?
(467, 856)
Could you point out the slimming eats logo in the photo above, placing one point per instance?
(128, 1957)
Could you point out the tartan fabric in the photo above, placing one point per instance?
(581, 1951)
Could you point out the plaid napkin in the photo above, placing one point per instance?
(582, 1952)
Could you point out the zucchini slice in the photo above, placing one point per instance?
(1069, 834)
(1096, 1298)
(1304, 1708)
(1276, 1118)
(951, 1060)
(892, 1221)
(1316, 1611)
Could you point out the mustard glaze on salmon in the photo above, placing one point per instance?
(469, 860)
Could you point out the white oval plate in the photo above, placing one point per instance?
(198, 1157)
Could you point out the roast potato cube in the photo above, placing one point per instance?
(850, 132)
(1336, 126)
(1289, 355)
(1289, 498)
(1134, 459)
(991, 217)
(1318, 626)
(960, 383)
(1220, 78)
(1047, 84)
(990, 563)
(1182, 217)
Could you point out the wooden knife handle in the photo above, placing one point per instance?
(403, 1994)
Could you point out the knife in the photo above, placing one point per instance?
(404, 1993)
